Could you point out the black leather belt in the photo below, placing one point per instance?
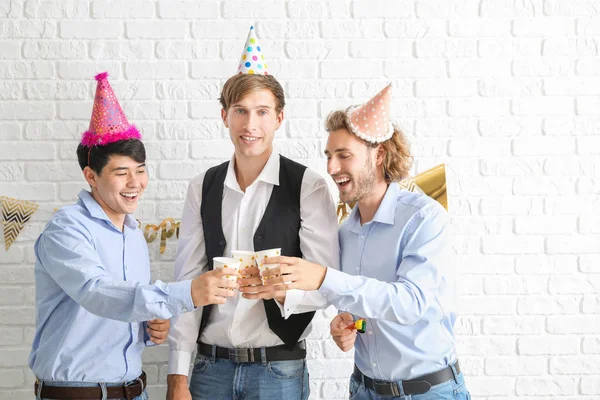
(126, 391)
(251, 355)
(418, 385)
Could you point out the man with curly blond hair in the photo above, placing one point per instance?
(396, 268)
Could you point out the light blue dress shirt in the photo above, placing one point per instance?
(398, 274)
(93, 295)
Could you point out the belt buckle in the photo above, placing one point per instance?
(393, 386)
(241, 355)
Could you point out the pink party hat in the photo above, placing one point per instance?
(108, 123)
(252, 60)
(371, 121)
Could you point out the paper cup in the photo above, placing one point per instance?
(246, 258)
(222, 262)
(261, 255)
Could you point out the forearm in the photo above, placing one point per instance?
(401, 302)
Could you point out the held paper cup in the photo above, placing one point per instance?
(261, 256)
(222, 262)
(246, 258)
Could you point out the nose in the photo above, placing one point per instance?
(133, 180)
(333, 166)
(251, 122)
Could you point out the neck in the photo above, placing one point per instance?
(117, 219)
(247, 168)
(368, 205)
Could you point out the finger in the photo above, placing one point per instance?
(224, 271)
(157, 340)
(226, 284)
(249, 280)
(224, 292)
(274, 260)
(347, 317)
(157, 334)
(251, 286)
(258, 296)
(272, 272)
(248, 276)
(278, 280)
(287, 286)
(281, 260)
(348, 339)
(159, 328)
(250, 271)
(159, 322)
(217, 300)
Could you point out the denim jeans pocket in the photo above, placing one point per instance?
(461, 392)
(289, 369)
(356, 388)
(202, 362)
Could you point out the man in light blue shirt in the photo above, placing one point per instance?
(396, 268)
(95, 307)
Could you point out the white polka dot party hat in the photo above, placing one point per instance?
(253, 60)
(371, 121)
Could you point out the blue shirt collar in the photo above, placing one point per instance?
(89, 203)
(386, 212)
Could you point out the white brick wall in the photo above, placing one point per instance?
(505, 92)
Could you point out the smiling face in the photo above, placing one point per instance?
(252, 122)
(119, 186)
(352, 164)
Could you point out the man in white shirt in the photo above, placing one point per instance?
(252, 346)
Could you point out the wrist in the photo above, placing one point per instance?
(176, 380)
(322, 275)
(280, 299)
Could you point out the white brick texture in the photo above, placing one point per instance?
(505, 92)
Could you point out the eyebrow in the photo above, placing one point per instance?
(260, 106)
(125, 168)
(343, 149)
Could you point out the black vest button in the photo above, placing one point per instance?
(222, 242)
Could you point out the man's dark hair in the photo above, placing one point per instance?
(99, 155)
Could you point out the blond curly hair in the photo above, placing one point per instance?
(397, 160)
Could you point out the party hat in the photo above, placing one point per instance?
(252, 61)
(371, 121)
(108, 123)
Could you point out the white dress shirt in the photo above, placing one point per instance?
(241, 322)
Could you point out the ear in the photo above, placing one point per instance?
(224, 117)
(279, 119)
(90, 176)
(380, 154)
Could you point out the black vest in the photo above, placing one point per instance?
(281, 217)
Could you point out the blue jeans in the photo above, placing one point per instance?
(143, 396)
(450, 390)
(221, 379)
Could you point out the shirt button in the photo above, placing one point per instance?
(184, 309)
(370, 332)
(362, 236)
(357, 268)
(374, 364)
(154, 317)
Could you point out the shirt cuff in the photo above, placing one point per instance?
(292, 299)
(180, 297)
(179, 363)
(332, 284)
